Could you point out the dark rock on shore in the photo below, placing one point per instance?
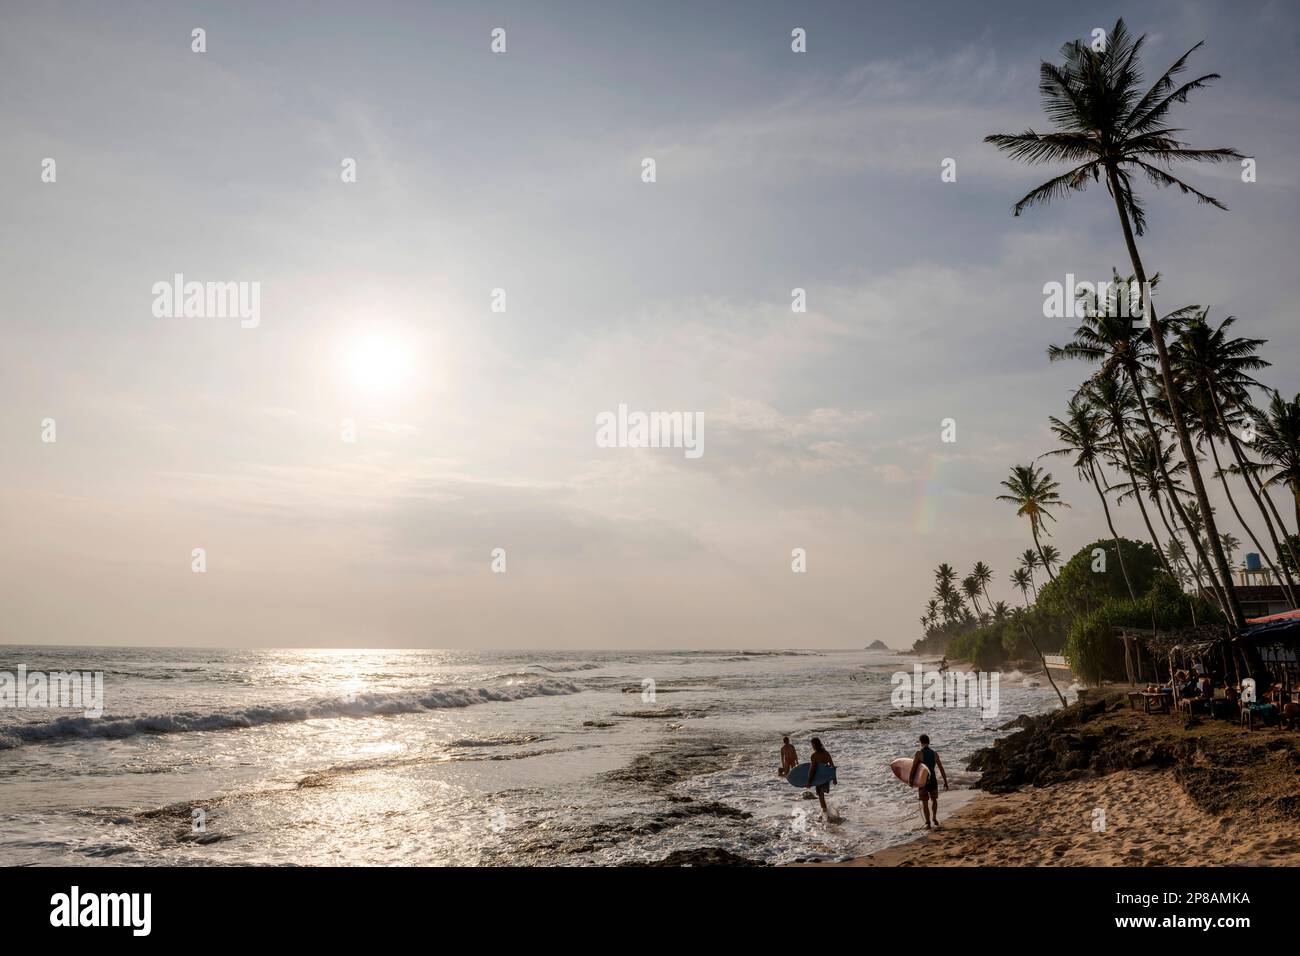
(1224, 769)
(1059, 746)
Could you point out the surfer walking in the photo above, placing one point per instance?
(789, 757)
(930, 790)
(820, 755)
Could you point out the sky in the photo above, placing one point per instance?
(475, 429)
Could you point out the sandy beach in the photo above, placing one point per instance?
(1203, 793)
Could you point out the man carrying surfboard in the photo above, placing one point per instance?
(929, 790)
(820, 755)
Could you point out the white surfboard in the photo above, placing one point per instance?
(902, 768)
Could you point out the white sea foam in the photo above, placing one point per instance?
(363, 705)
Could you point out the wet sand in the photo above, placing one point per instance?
(1149, 821)
(1102, 785)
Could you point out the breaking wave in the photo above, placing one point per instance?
(363, 705)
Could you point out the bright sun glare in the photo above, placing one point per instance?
(377, 363)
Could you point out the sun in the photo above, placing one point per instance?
(376, 363)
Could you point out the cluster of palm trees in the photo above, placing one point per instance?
(1172, 401)
(948, 611)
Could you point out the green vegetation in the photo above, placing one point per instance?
(1170, 403)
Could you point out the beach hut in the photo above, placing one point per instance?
(1277, 640)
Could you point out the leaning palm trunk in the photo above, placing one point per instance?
(1250, 532)
(1092, 473)
(1281, 525)
(1249, 479)
(1039, 548)
(1236, 620)
(1034, 645)
(1175, 504)
(1195, 568)
(1146, 519)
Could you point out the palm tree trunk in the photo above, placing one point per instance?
(1137, 496)
(1249, 479)
(1281, 525)
(1092, 473)
(1250, 532)
(1046, 671)
(1236, 619)
(1267, 505)
(1200, 585)
(1175, 504)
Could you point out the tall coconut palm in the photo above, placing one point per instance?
(1034, 493)
(1207, 432)
(1214, 369)
(1110, 393)
(1155, 474)
(1083, 435)
(1107, 127)
(1278, 443)
(1107, 335)
(1000, 610)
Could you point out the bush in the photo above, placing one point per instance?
(1080, 589)
(1092, 649)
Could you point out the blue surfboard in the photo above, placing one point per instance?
(798, 777)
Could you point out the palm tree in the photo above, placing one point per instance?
(1033, 492)
(1214, 369)
(1051, 558)
(1230, 545)
(982, 573)
(1022, 578)
(971, 588)
(1108, 337)
(1106, 126)
(1178, 555)
(1029, 560)
(1155, 475)
(1084, 436)
(1278, 443)
(1000, 611)
(1111, 394)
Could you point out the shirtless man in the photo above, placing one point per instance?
(930, 792)
(820, 755)
(789, 758)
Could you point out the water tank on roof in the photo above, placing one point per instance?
(1253, 562)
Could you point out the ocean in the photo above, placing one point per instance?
(443, 757)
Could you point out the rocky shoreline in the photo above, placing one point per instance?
(1100, 784)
